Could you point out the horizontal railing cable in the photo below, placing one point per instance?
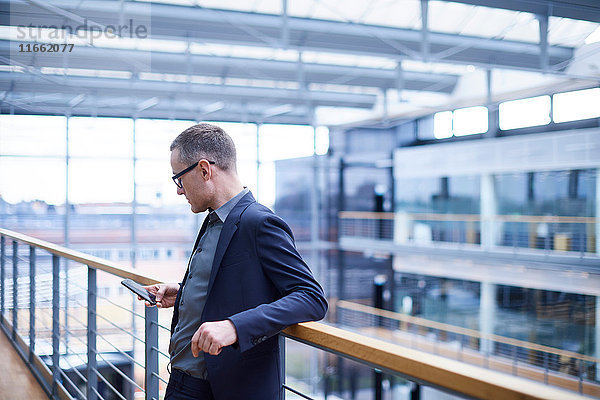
(113, 324)
(101, 336)
(74, 318)
(119, 328)
(112, 302)
(286, 387)
(119, 350)
(9, 258)
(109, 384)
(73, 385)
(98, 393)
(84, 379)
(161, 352)
(66, 360)
(164, 327)
(121, 307)
(118, 371)
(161, 379)
(72, 335)
(74, 368)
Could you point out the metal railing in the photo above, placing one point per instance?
(66, 342)
(549, 233)
(75, 350)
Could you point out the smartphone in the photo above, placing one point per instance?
(139, 290)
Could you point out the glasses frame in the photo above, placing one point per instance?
(177, 177)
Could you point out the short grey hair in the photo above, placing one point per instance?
(206, 141)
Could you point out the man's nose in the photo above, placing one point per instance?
(180, 190)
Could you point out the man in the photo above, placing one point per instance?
(245, 281)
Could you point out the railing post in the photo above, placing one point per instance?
(15, 315)
(2, 286)
(151, 350)
(92, 380)
(378, 287)
(282, 365)
(31, 303)
(55, 324)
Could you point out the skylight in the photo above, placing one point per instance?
(522, 113)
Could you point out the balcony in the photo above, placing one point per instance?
(81, 344)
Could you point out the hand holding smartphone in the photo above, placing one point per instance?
(139, 290)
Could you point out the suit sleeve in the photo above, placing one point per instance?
(301, 297)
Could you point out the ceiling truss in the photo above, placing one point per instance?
(244, 87)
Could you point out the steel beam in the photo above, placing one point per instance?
(587, 10)
(193, 92)
(232, 67)
(254, 29)
(543, 26)
(232, 113)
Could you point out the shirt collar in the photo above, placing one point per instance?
(223, 211)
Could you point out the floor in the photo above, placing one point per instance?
(16, 380)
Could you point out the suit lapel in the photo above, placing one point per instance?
(230, 226)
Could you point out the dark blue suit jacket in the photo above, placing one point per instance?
(260, 283)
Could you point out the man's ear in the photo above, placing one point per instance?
(205, 167)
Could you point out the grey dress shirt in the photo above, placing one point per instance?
(193, 296)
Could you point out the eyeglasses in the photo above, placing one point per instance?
(177, 177)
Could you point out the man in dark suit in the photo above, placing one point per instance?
(245, 281)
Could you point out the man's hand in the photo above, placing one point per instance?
(165, 294)
(211, 337)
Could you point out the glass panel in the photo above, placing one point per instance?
(422, 198)
(464, 194)
(439, 195)
(153, 137)
(244, 137)
(572, 106)
(278, 142)
(470, 121)
(415, 195)
(266, 184)
(526, 112)
(548, 193)
(512, 193)
(100, 180)
(153, 169)
(154, 184)
(322, 145)
(31, 178)
(442, 125)
(556, 319)
(101, 137)
(35, 135)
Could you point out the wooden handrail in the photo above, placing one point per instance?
(435, 370)
(547, 218)
(469, 217)
(366, 215)
(460, 330)
(83, 258)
